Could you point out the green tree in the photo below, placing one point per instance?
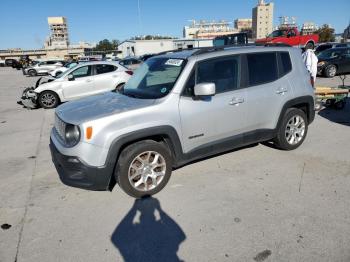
(326, 34)
(106, 45)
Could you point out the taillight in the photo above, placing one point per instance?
(129, 72)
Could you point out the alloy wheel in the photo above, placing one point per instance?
(147, 171)
(295, 130)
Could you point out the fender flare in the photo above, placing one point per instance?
(169, 134)
(297, 102)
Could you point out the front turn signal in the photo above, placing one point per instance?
(89, 132)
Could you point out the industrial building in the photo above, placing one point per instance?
(58, 33)
(208, 29)
(262, 16)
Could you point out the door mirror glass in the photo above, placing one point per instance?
(71, 77)
(204, 89)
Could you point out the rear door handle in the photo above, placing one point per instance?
(281, 90)
(236, 101)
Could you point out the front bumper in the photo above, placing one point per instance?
(74, 172)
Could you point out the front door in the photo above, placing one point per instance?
(81, 85)
(207, 121)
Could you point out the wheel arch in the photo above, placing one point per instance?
(304, 103)
(165, 134)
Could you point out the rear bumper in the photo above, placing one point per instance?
(74, 172)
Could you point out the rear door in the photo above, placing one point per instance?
(105, 78)
(220, 118)
(267, 91)
(81, 86)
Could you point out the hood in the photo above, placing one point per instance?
(263, 40)
(93, 107)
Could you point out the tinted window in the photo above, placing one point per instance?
(262, 68)
(102, 69)
(322, 47)
(285, 65)
(82, 72)
(189, 88)
(223, 72)
(51, 62)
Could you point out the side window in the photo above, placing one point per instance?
(102, 69)
(262, 68)
(285, 65)
(51, 62)
(82, 72)
(224, 72)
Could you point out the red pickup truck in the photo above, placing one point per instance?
(290, 36)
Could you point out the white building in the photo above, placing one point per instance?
(142, 47)
(58, 38)
(191, 43)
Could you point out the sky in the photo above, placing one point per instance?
(23, 23)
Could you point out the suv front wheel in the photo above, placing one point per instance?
(293, 130)
(144, 168)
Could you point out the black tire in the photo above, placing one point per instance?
(281, 140)
(32, 72)
(128, 156)
(119, 87)
(330, 71)
(310, 45)
(44, 99)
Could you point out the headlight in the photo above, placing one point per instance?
(72, 135)
(320, 63)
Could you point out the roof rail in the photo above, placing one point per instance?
(203, 50)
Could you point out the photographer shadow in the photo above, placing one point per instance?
(147, 233)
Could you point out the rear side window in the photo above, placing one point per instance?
(102, 69)
(285, 65)
(262, 68)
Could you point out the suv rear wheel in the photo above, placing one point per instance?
(293, 130)
(144, 168)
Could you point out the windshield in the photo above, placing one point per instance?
(155, 78)
(329, 53)
(277, 33)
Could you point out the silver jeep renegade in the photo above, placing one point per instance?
(179, 107)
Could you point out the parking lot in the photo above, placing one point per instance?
(253, 204)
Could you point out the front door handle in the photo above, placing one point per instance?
(236, 101)
(88, 80)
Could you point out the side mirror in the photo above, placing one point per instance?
(204, 89)
(71, 77)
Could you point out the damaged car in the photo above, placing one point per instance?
(80, 81)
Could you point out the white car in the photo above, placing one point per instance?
(43, 67)
(56, 72)
(82, 80)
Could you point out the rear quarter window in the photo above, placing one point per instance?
(285, 64)
(262, 68)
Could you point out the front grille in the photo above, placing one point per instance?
(60, 128)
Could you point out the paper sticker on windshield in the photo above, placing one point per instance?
(163, 90)
(174, 62)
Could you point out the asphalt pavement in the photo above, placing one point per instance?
(252, 204)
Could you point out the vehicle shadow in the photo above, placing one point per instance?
(337, 116)
(147, 233)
